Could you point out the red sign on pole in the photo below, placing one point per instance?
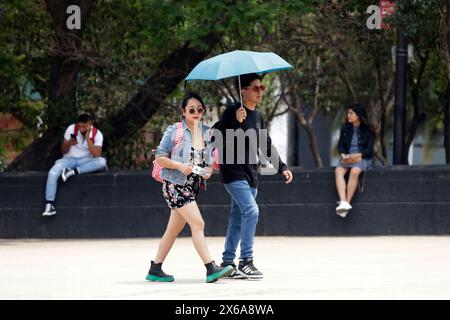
(387, 8)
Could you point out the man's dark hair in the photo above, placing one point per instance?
(246, 79)
(83, 118)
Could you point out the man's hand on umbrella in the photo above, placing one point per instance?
(241, 114)
(288, 175)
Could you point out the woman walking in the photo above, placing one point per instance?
(185, 154)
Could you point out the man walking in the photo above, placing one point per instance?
(240, 175)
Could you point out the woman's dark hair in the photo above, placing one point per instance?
(189, 96)
(362, 114)
(246, 79)
(360, 111)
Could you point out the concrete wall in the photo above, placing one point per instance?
(401, 200)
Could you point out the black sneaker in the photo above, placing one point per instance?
(49, 210)
(234, 275)
(247, 268)
(156, 274)
(214, 272)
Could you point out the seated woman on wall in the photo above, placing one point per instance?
(356, 150)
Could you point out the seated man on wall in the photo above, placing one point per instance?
(82, 149)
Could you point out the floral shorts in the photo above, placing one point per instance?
(178, 196)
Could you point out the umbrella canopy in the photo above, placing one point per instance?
(236, 63)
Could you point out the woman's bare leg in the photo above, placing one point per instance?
(174, 227)
(193, 217)
(352, 183)
(340, 183)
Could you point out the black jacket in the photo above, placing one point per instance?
(366, 139)
(244, 171)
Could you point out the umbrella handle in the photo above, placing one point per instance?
(240, 92)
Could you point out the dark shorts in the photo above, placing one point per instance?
(178, 196)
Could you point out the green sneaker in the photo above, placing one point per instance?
(156, 274)
(215, 272)
(166, 278)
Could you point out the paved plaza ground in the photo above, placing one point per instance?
(294, 268)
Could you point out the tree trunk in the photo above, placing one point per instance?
(314, 146)
(144, 104)
(445, 47)
(64, 67)
(305, 124)
(62, 108)
(383, 133)
(418, 117)
(135, 114)
(383, 115)
(447, 126)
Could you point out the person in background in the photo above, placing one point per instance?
(82, 150)
(355, 146)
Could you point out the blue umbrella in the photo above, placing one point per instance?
(237, 62)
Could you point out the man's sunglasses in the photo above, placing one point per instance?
(257, 88)
(199, 110)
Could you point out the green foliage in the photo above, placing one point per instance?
(124, 41)
(418, 17)
(24, 45)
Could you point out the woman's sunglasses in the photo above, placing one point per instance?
(257, 88)
(199, 110)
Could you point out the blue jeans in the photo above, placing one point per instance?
(242, 220)
(83, 165)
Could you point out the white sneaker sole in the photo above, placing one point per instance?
(238, 277)
(48, 214)
(342, 213)
(250, 277)
(340, 210)
(235, 275)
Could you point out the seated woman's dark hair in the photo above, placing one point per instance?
(360, 111)
(362, 114)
